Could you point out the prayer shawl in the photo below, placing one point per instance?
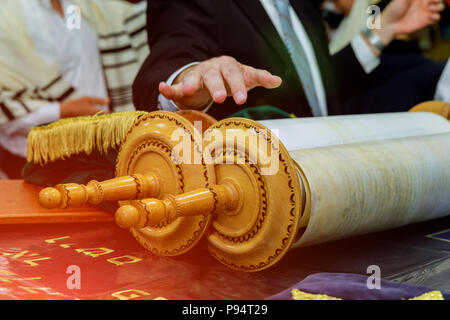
(27, 82)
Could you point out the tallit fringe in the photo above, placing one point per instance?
(71, 136)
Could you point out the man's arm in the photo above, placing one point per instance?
(15, 105)
(399, 17)
(14, 126)
(179, 32)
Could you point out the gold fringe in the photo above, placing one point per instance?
(300, 295)
(71, 136)
(433, 295)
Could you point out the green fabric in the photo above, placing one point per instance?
(261, 113)
(79, 168)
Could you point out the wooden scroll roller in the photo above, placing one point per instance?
(437, 107)
(336, 177)
(250, 218)
(137, 186)
(204, 201)
(145, 168)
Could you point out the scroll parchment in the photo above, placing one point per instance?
(302, 133)
(372, 186)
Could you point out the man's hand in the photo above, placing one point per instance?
(85, 106)
(216, 79)
(407, 16)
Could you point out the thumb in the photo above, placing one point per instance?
(260, 78)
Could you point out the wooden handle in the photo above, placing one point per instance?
(133, 187)
(204, 201)
(437, 107)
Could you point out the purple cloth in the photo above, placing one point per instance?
(349, 286)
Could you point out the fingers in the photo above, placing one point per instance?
(241, 78)
(192, 83)
(220, 77)
(213, 81)
(233, 74)
(436, 6)
(174, 92)
(261, 78)
(269, 81)
(435, 17)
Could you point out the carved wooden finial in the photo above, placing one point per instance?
(133, 187)
(127, 216)
(50, 198)
(204, 201)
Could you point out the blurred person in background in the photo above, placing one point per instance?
(64, 58)
(403, 64)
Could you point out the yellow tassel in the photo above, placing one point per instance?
(71, 136)
(433, 295)
(300, 295)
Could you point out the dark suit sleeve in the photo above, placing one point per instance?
(179, 32)
(352, 78)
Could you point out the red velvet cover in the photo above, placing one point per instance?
(36, 259)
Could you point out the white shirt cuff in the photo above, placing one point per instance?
(443, 86)
(168, 105)
(368, 60)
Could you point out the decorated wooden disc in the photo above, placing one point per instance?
(168, 146)
(260, 230)
(194, 116)
(437, 107)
